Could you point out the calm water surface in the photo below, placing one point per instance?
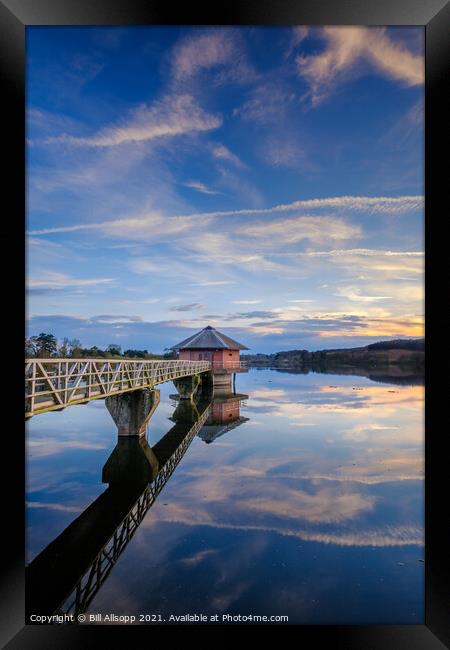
(310, 506)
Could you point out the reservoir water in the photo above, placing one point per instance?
(302, 497)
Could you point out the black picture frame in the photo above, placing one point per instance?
(434, 15)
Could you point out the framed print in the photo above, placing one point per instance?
(228, 219)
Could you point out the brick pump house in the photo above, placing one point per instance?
(211, 345)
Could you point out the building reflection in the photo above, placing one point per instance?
(225, 412)
(225, 416)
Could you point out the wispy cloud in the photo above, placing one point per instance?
(315, 229)
(246, 302)
(54, 281)
(198, 558)
(252, 315)
(286, 152)
(214, 283)
(364, 204)
(46, 122)
(372, 264)
(53, 506)
(354, 294)
(297, 35)
(381, 537)
(172, 116)
(221, 152)
(51, 446)
(116, 318)
(200, 187)
(190, 307)
(267, 104)
(405, 128)
(220, 50)
(370, 204)
(201, 52)
(348, 49)
(364, 252)
(151, 224)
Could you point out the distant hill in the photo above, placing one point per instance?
(399, 344)
(403, 352)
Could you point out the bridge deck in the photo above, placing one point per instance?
(53, 384)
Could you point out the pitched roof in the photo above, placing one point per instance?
(209, 338)
(209, 432)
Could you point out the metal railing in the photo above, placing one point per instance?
(228, 364)
(53, 384)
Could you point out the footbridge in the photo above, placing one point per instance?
(54, 384)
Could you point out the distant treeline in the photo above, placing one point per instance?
(45, 346)
(398, 344)
(410, 352)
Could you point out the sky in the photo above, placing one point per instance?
(266, 181)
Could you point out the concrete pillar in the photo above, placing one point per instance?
(132, 461)
(132, 411)
(185, 413)
(187, 386)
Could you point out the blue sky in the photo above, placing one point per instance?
(266, 181)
